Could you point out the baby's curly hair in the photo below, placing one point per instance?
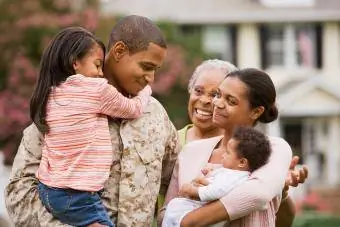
(252, 145)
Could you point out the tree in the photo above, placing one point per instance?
(171, 82)
(26, 26)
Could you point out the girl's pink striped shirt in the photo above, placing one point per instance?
(77, 151)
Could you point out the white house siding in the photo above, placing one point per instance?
(331, 49)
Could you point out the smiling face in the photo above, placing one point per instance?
(130, 73)
(230, 158)
(200, 107)
(231, 105)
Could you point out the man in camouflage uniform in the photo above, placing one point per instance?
(145, 149)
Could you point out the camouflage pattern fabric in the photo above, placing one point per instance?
(145, 152)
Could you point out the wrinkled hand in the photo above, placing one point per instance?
(295, 176)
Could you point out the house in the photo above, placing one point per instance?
(296, 41)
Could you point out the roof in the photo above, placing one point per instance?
(223, 11)
(314, 96)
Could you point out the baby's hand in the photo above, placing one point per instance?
(185, 190)
(200, 181)
(188, 191)
(206, 170)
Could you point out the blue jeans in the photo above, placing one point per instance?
(73, 207)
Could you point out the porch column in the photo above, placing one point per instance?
(308, 151)
(333, 152)
(248, 46)
(331, 47)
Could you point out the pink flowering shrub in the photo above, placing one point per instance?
(171, 82)
(312, 201)
(26, 27)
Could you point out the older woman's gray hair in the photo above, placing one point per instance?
(224, 66)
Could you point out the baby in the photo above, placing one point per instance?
(246, 151)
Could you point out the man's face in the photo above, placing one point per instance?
(132, 72)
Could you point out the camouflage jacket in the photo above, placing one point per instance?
(145, 151)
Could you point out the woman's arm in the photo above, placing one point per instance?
(21, 195)
(254, 194)
(171, 193)
(286, 214)
(209, 214)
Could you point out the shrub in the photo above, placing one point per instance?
(26, 26)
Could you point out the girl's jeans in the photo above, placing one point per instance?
(73, 207)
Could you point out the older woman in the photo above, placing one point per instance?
(244, 97)
(202, 88)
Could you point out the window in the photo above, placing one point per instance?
(293, 134)
(275, 46)
(219, 41)
(287, 3)
(291, 45)
(305, 50)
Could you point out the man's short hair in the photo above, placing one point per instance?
(137, 33)
(252, 145)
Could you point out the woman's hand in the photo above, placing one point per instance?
(295, 176)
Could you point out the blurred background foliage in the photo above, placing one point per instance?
(26, 26)
(316, 219)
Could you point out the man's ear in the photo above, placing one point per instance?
(256, 112)
(118, 50)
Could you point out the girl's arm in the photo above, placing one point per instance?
(254, 194)
(114, 104)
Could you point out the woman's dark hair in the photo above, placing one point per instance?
(261, 92)
(56, 65)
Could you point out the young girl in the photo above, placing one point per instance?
(69, 106)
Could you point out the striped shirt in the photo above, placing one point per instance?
(77, 151)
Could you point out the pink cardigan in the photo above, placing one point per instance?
(251, 204)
